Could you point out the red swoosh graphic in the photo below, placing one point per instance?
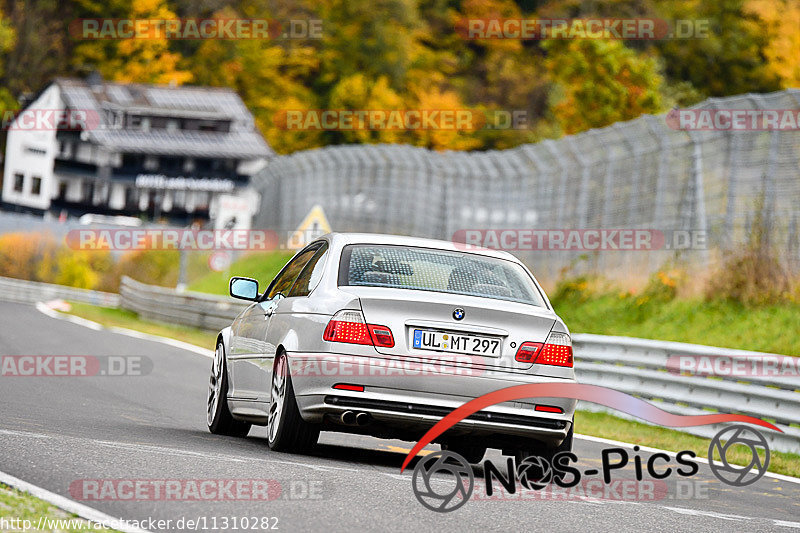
(590, 393)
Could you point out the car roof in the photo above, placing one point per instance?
(403, 240)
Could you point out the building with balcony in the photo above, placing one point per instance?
(131, 149)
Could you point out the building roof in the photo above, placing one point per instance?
(243, 141)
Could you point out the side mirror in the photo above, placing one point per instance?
(243, 288)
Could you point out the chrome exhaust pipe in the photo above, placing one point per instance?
(349, 418)
(362, 419)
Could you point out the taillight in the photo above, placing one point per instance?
(381, 336)
(347, 386)
(528, 351)
(350, 327)
(548, 409)
(557, 351)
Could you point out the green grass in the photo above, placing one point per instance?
(260, 266)
(615, 428)
(771, 328)
(128, 319)
(15, 504)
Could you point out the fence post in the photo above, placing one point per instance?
(609, 188)
(562, 194)
(769, 178)
(583, 195)
(699, 190)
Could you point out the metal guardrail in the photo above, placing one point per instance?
(640, 367)
(23, 291)
(187, 308)
(635, 366)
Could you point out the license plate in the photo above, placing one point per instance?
(446, 341)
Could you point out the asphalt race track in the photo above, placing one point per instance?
(57, 431)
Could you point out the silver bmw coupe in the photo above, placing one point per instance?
(385, 335)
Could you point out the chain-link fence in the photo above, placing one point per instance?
(701, 191)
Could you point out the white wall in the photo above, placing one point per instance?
(251, 166)
(20, 160)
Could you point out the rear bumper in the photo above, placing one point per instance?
(411, 403)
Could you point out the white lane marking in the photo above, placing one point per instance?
(703, 460)
(52, 313)
(164, 450)
(709, 514)
(730, 517)
(784, 523)
(68, 505)
(123, 331)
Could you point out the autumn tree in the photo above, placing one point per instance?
(599, 82)
(781, 18)
(142, 60)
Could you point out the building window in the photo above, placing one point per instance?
(171, 164)
(65, 150)
(36, 185)
(19, 182)
(132, 161)
(36, 151)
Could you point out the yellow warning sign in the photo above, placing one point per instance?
(314, 225)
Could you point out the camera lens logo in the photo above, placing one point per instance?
(534, 473)
(437, 493)
(738, 436)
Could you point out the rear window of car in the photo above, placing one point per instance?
(406, 267)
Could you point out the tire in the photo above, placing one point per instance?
(286, 429)
(218, 417)
(548, 453)
(473, 454)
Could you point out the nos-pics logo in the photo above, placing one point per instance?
(444, 481)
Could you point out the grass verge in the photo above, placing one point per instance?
(588, 423)
(612, 427)
(261, 266)
(767, 328)
(128, 319)
(17, 507)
